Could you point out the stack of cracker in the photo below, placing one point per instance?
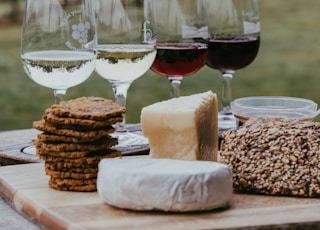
(75, 137)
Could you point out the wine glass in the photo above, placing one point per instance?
(57, 44)
(126, 49)
(182, 40)
(234, 28)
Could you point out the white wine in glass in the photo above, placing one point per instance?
(126, 49)
(58, 44)
(234, 28)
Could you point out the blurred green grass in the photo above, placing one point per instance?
(287, 64)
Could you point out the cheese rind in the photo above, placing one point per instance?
(183, 128)
(164, 184)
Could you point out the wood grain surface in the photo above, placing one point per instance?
(25, 187)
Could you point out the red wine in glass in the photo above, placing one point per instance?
(228, 54)
(232, 53)
(233, 43)
(182, 40)
(179, 59)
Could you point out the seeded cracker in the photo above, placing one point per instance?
(79, 188)
(70, 175)
(74, 154)
(59, 166)
(40, 125)
(93, 108)
(68, 139)
(87, 160)
(70, 167)
(74, 181)
(85, 146)
(65, 154)
(50, 118)
(75, 137)
(75, 127)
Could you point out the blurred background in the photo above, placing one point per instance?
(288, 64)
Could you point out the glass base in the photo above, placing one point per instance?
(226, 121)
(29, 150)
(129, 142)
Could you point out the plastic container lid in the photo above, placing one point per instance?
(274, 106)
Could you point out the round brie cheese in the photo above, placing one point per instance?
(164, 184)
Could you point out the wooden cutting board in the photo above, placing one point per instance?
(25, 187)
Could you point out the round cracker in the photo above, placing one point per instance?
(76, 188)
(93, 108)
(108, 142)
(81, 122)
(62, 182)
(70, 175)
(61, 168)
(41, 125)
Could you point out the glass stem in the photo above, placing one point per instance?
(175, 83)
(120, 92)
(226, 91)
(59, 95)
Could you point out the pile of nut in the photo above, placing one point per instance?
(274, 156)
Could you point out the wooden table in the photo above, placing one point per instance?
(24, 186)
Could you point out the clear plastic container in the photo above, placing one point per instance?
(273, 106)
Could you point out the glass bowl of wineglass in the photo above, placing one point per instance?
(234, 40)
(57, 44)
(182, 40)
(126, 49)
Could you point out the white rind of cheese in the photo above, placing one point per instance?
(183, 128)
(164, 184)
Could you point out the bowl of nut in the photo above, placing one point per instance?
(274, 106)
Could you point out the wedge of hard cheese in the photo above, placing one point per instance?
(164, 184)
(183, 128)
